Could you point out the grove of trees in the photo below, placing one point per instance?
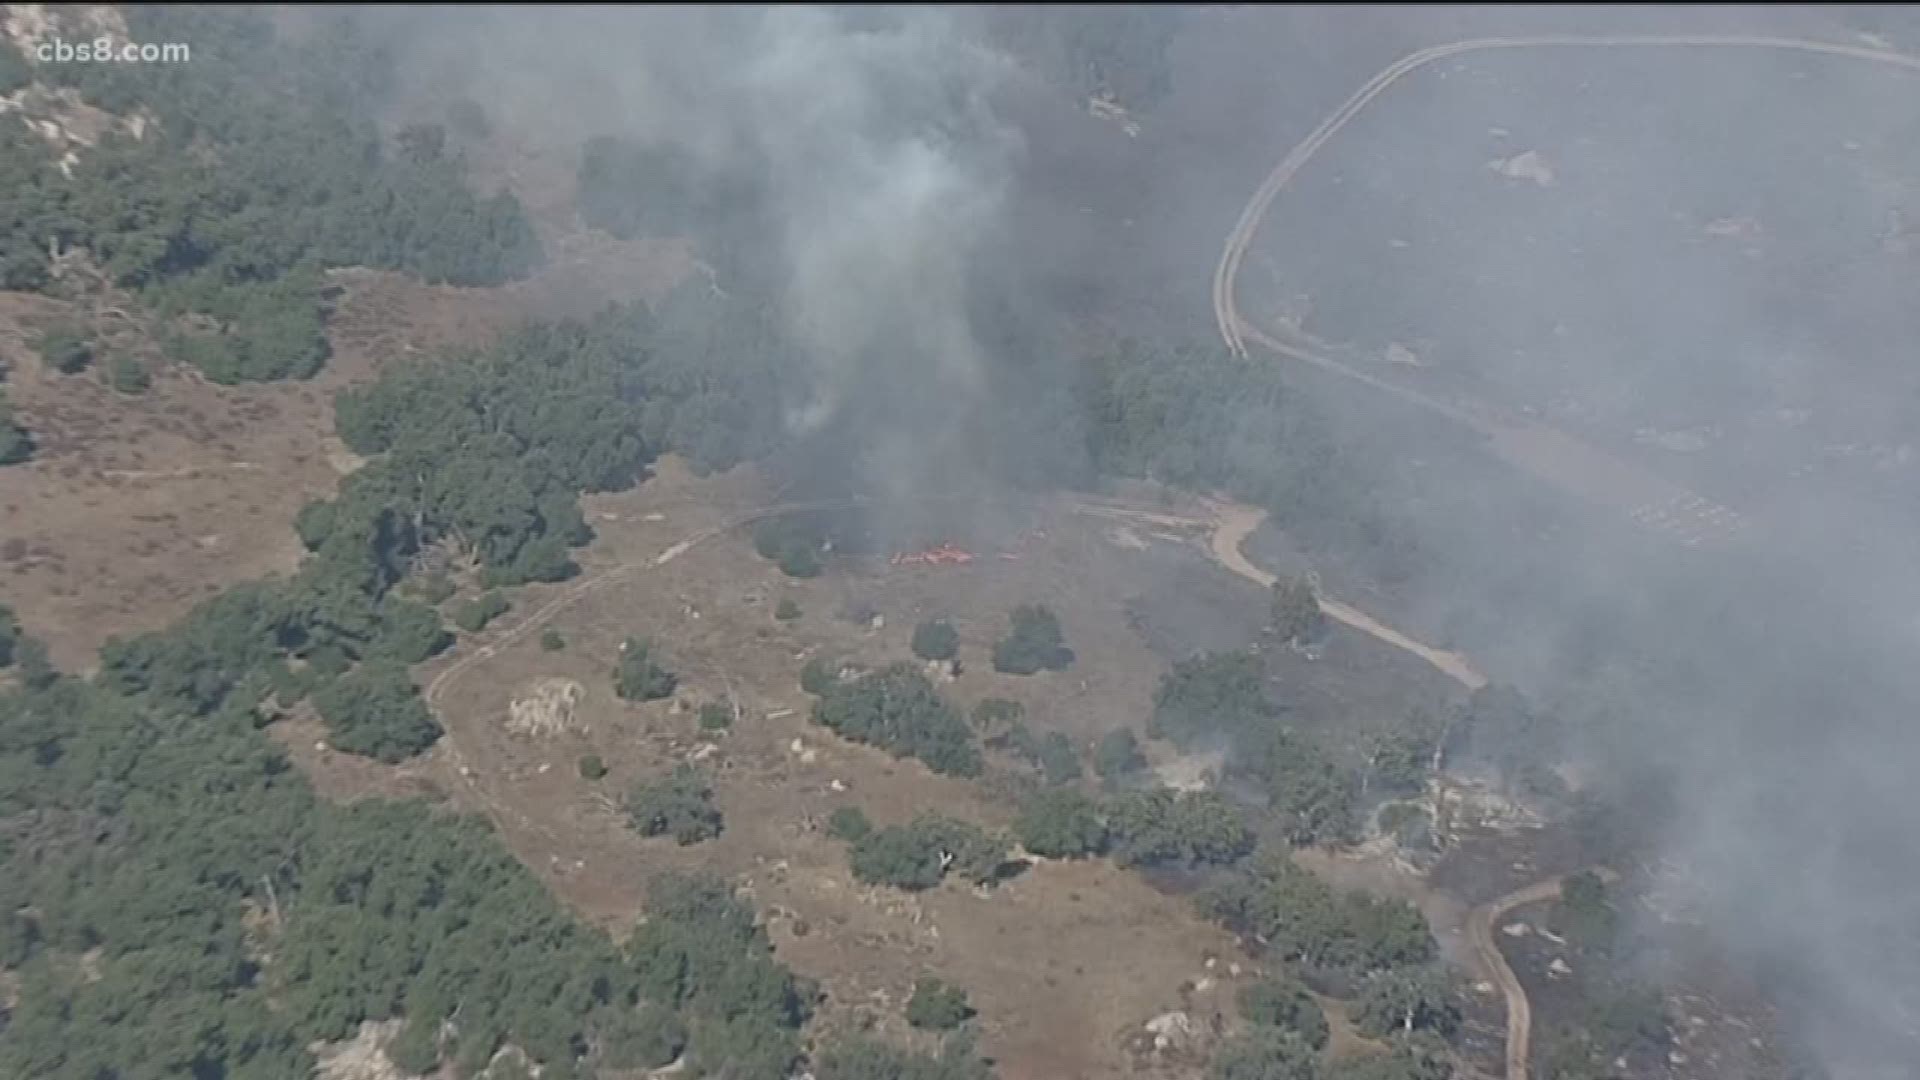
(899, 711)
(920, 854)
(261, 164)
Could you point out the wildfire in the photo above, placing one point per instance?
(945, 555)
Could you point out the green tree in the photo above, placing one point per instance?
(1117, 755)
(898, 710)
(16, 445)
(716, 716)
(638, 677)
(65, 349)
(918, 855)
(408, 633)
(1061, 823)
(937, 1006)
(1408, 999)
(1212, 695)
(128, 375)
(792, 542)
(1312, 796)
(864, 1058)
(994, 712)
(935, 639)
(1584, 915)
(818, 675)
(1281, 1001)
(649, 1037)
(10, 635)
(474, 615)
(1160, 826)
(1059, 762)
(848, 823)
(1294, 610)
(1400, 1063)
(1264, 1053)
(376, 711)
(679, 804)
(1033, 644)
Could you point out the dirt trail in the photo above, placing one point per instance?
(1236, 523)
(1480, 926)
(1545, 451)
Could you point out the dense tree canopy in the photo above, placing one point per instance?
(1279, 1000)
(919, 854)
(260, 164)
(1160, 826)
(1301, 918)
(1214, 695)
(898, 710)
(376, 710)
(1061, 823)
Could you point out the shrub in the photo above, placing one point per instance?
(919, 854)
(935, 639)
(1118, 755)
(376, 711)
(128, 375)
(551, 641)
(898, 710)
(818, 675)
(993, 711)
(638, 677)
(849, 823)
(1283, 1002)
(65, 349)
(433, 589)
(1061, 824)
(474, 615)
(716, 716)
(791, 543)
(591, 767)
(786, 610)
(1059, 762)
(649, 1037)
(1033, 644)
(937, 1006)
(679, 804)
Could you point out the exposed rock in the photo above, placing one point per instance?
(1528, 165)
(545, 708)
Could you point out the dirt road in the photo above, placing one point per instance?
(1235, 523)
(1480, 926)
(1549, 453)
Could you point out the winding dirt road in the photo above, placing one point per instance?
(1545, 451)
(1480, 926)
